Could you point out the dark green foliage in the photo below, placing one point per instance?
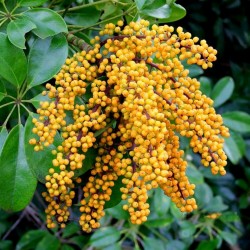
(33, 47)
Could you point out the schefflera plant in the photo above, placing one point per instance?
(128, 98)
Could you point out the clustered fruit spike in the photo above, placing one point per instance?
(141, 99)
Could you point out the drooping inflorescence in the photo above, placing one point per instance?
(129, 97)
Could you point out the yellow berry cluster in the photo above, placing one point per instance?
(130, 98)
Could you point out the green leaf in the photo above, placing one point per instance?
(234, 147)
(161, 202)
(205, 85)
(115, 246)
(3, 137)
(80, 240)
(187, 229)
(17, 183)
(140, 3)
(203, 194)
(2, 91)
(242, 183)
(31, 3)
(222, 91)
(17, 29)
(208, 245)
(39, 98)
(70, 229)
(159, 222)
(216, 205)
(238, 121)
(118, 212)
(82, 17)
(46, 58)
(39, 162)
(175, 211)
(151, 243)
(66, 247)
(115, 197)
(230, 238)
(244, 201)
(49, 242)
(48, 22)
(14, 73)
(194, 175)
(194, 70)
(229, 217)
(176, 245)
(161, 12)
(104, 236)
(30, 239)
(177, 13)
(88, 162)
(6, 245)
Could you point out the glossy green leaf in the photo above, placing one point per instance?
(14, 73)
(222, 91)
(229, 216)
(17, 183)
(82, 17)
(3, 137)
(115, 197)
(39, 162)
(177, 13)
(6, 245)
(176, 245)
(242, 184)
(193, 174)
(187, 229)
(2, 91)
(216, 205)
(30, 239)
(109, 9)
(161, 202)
(42, 65)
(66, 247)
(238, 121)
(150, 243)
(175, 211)
(39, 98)
(140, 3)
(161, 12)
(159, 222)
(118, 212)
(80, 240)
(208, 245)
(194, 70)
(104, 236)
(88, 162)
(230, 238)
(72, 228)
(234, 147)
(49, 242)
(203, 194)
(115, 246)
(17, 29)
(205, 85)
(31, 3)
(48, 22)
